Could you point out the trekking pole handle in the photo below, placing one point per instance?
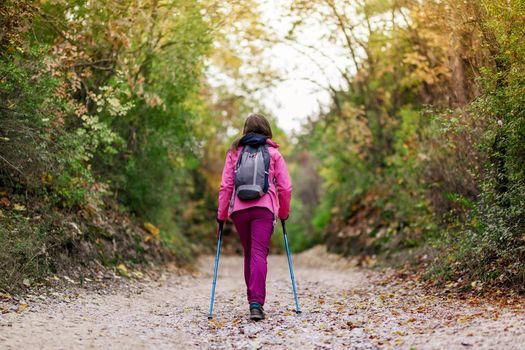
(221, 225)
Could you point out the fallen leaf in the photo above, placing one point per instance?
(22, 307)
(474, 302)
(6, 296)
(67, 278)
(464, 319)
(217, 323)
(5, 201)
(123, 270)
(47, 179)
(19, 207)
(137, 274)
(155, 231)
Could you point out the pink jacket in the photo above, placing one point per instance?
(277, 171)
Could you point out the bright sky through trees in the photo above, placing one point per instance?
(306, 67)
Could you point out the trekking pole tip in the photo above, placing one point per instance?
(210, 317)
(298, 312)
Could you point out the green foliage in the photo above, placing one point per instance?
(488, 245)
(426, 147)
(24, 255)
(104, 116)
(101, 101)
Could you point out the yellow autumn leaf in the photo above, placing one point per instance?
(398, 341)
(152, 229)
(123, 270)
(19, 207)
(217, 323)
(22, 307)
(47, 179)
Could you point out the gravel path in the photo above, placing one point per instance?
(343, 308)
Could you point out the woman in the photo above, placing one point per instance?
(255, 218)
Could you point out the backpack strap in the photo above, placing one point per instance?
(232, 199)
(267, 159)
(240, 158)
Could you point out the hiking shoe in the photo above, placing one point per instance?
(256, 312)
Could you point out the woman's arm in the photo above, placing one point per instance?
(226, 189)
(284, 186)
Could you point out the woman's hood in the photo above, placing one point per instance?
(256, 140)
(272, 143)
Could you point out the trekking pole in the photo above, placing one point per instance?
(297, 311)
(221, 224)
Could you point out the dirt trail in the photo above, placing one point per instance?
(343, 308)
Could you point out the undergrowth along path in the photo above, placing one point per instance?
(343, 308)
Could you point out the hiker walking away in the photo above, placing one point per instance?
(255, 190)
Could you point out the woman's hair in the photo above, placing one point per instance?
(255, 124)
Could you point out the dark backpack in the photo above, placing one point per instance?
(251, 172)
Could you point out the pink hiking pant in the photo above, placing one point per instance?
(255, 227)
